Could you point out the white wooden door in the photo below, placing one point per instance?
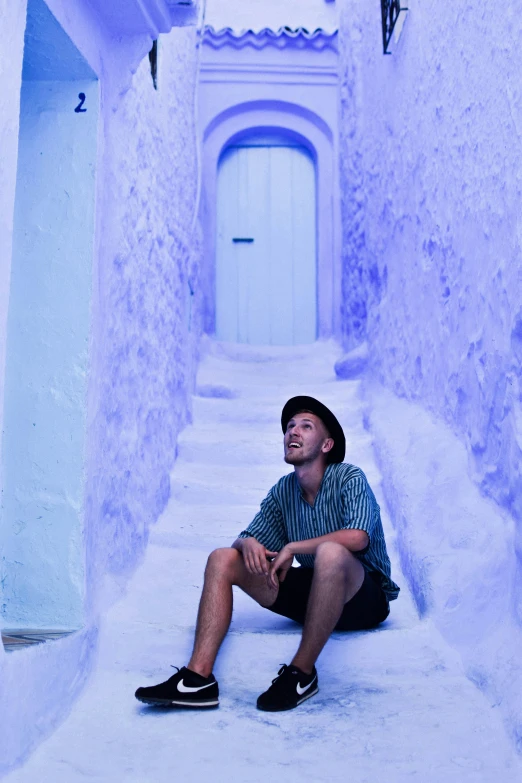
(266, 246)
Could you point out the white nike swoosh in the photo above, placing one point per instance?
(182, 688)
(300, 690)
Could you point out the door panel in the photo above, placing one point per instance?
(304, 237)
(281, 255)
(266, 288)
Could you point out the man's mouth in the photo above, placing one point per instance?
(294, 445)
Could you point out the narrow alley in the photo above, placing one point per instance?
(208, 207)
(394, 701)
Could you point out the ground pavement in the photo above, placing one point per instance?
(393, 703)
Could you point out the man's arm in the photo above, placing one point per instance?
(353, 540)
(254, 555)
(267, 527)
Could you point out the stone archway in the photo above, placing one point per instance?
(312, 133)
(284, 82)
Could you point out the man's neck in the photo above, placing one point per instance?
(309, 478)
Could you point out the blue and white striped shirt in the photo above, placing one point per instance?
(345, 501)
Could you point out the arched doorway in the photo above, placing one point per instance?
(266, 266)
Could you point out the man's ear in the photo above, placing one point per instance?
(327, 445)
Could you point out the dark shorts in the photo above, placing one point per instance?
(366, 609)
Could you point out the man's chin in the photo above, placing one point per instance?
(294, 458)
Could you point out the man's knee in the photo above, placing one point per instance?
(331, 555)
(335, 564)
(223, 561)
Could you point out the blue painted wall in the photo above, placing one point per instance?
(45, 401)
(47, 357)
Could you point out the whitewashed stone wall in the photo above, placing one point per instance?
(432, 182)
(144, 334)
(144, 352)
(432, 177)
(258, 14)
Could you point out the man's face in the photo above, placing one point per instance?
(306, 439)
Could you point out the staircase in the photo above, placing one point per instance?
(393, 703)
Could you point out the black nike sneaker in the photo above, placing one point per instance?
(290, 688)
(184, 689)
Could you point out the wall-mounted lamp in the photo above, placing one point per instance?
(153, 59)
(393, 17)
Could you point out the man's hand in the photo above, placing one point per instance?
(279, 566)
(255, 555)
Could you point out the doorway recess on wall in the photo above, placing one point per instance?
(266, 279)
(41, 531)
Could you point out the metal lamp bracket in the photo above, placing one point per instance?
(393, 17)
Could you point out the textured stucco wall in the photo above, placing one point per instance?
(145, 327)
(431, 179)
(143, 350)
(12, 26)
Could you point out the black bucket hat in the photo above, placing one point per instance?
(303, 403)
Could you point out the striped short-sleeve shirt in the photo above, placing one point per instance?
(345, 501)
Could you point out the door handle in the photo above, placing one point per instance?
(242, 239)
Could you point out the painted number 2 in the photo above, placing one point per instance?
(78, 109)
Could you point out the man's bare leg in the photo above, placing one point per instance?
(338, 575)
(225, 568)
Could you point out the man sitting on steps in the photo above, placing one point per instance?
(324, 514)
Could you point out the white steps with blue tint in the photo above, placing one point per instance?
(393, 703)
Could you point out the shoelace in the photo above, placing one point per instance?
(283, 668)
